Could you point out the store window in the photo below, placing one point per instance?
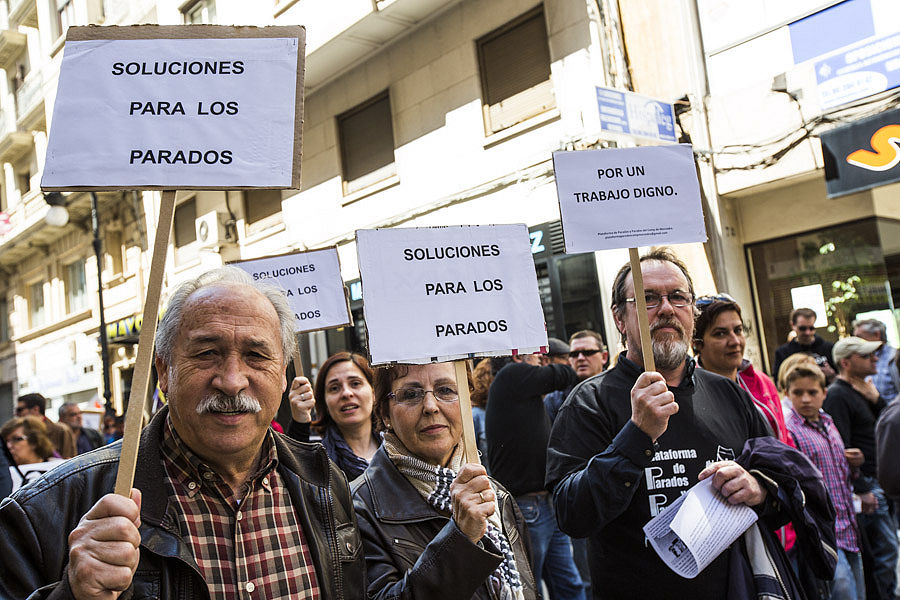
(185, 231)
(76, 287)
(202, 12)
(514, 62)
(367, 143)
(37, 312)
(844, 273)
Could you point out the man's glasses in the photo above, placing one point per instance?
(412, 396)
(710, 298)
(678, 299)
(587, 353)
(806, 328)
(865, 356)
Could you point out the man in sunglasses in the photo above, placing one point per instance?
(854, 405)
(803, 322)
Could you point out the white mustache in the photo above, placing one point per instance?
(219, 402)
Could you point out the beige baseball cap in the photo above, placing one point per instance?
(848, 346)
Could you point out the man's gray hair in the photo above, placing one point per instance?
(168, 327)
(872, 326)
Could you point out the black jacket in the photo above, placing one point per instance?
(35, 523)
(412, 551)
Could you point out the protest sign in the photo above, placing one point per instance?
(445, 293)
(628, 197)
(312, 283)
(190, 107)
(167, 108)
(442, 293)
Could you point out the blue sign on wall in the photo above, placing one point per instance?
(635, 114)
(862, 70)
(827, 30)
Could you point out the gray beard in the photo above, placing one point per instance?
(669, 354)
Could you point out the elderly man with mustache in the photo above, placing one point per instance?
(224, 507)
(628, 442)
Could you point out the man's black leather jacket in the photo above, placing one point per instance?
(415, 553)
(35, 523)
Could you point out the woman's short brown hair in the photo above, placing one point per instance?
(385, 378)
(324, 418)
(34, 430)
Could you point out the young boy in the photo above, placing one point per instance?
(818, 438)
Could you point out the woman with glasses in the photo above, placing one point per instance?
(343, 401)
(27, 441)
(432, 526)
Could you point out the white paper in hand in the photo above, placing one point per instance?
(697, 528)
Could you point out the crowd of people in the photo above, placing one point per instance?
(369, 494)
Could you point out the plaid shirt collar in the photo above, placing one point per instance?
(189, 467)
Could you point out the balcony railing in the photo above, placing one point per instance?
(29, 94)
(7, 123)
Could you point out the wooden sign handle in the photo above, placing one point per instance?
(470, 443)
(640, 305)
(298, 363)
(141, 378)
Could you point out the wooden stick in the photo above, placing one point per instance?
(640, 305)
(298, 364)
(470, 444)
(141, 378)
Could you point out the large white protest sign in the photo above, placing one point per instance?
(443, 293)
(208, 107)
(312, 282)
(628, 197)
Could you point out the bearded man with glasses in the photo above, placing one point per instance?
(628, 442)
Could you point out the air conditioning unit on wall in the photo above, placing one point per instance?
(211, 230)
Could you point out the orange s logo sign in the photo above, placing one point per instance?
(887, 152)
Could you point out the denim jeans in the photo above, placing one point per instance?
(849, 583)
(882, 535)
(550, 548)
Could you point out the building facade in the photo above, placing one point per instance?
(427, 112)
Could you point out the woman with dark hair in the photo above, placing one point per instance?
(433, 527)
(343, 401)
(27, 440)
(719, 343)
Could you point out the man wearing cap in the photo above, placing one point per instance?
(855, 404)
(586, 354)
(517, 429)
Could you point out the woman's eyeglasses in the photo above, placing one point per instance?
(412, 396)
(16, 438)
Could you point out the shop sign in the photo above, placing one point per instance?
(444, 293)
(854, 73)
(636, 114)
(862, 155)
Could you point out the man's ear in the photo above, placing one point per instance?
(605, 355)
(162, 372)
(620, 326)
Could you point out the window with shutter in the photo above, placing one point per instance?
(260, 204)
(367, 143)
(185, 231)
(515, 72)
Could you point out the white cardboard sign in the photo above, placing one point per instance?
(443, 293)
(177, 113)
(628, 197)
(312, 282)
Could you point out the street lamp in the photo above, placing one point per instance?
(58, 216)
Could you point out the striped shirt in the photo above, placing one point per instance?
(247, 546)
(821, 442)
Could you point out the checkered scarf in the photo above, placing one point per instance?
(433, 483)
